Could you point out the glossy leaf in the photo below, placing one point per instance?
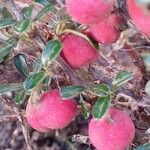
(71, 91)
(51, 51)
(121, 78)
(144, 147)
(20, 63)
(6, 13)
(7, 47)
(10, 87)
(101, 106)
(20, 96)
(27, 12)
(141, 2)
(42, 2)
(45, 10)
(7, 22)
(22, 25)
(147, 88)
(84, 110)
(34, 80)
(37, 65)
(146, 58)
(100, 90)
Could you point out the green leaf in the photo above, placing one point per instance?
(141, 2)
(20, 63)
(22, 25)
(19, 97)
(6, 13)
(101, 106)
(85, 111)
(10, 87)
(7, 47)
(71, 91)
(147, 88)
(37, 65)
(42, 2)
(121, 78)
(7, 22)
(45, 10)
(100, 90)
(34, 80)
(12, 41)
(146, 58)
(144, 147)
(27, 12)
(51, 51)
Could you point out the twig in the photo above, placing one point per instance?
(21, 121)
(6, 118)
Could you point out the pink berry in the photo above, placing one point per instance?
(139, 15)
(77, 51)
(89, 11)
(112, 134)
(107, 31)
(33, 117)
(52, 112)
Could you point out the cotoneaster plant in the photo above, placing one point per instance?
(140, 15)
(89, 11)
(107, 31)
(49, 105)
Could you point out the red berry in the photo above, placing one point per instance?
(139, 15)
(77, 51)
(52, 112)
(112, 134)
(33, 117)
(107, 31)
(89, 11)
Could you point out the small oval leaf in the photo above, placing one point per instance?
(34, 80)
(85, 111)
(10, 87)
(7, 47)
(100, 90)
(143, 2)
(22, 25)
(121, 78)
(20, 63)
(27, 12)
(144, 147)
(7, 22)
(147, 88)
(101, 106)
(71, 91)
(37, 65)
(45, 10)
(146, 58)
(51, 51)
(6, 13)
(19, 97)
(42, 2)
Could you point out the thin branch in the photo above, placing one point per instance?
(21, 121)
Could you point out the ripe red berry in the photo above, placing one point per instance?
(139, 15)
(89, 11)
(51, 112)
(107, 31)
(33, 117)
(114, 133)
(77, 51)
